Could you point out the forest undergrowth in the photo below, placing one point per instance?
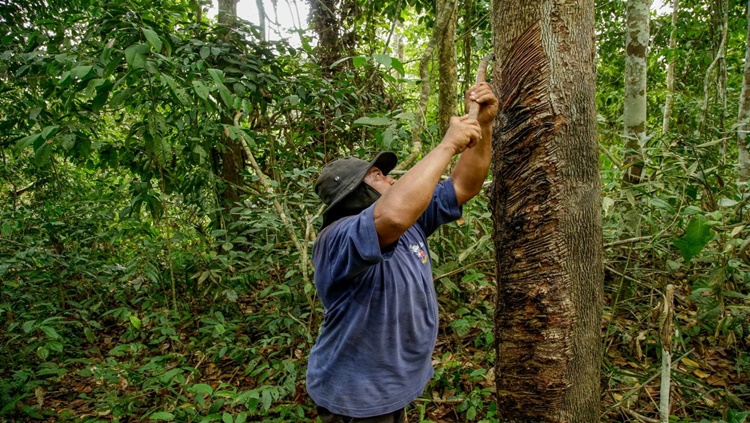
(113, 318)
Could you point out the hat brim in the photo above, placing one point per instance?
(385, 161)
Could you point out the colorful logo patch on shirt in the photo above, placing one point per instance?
(419, 251)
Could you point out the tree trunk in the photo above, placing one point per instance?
(325, 22)
(545, 202)
(227, 12)
(634, 113)
(468, 40)
(231, 154)
(669, 103)
(743, 117)
(443, 15)
(261, 19)
(448, 80)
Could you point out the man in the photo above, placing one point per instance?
(373, 274)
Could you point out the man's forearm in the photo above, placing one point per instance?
(472, 167)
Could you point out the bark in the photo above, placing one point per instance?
(743, 117)
(634, 113)
(231, 155)
(448, 80)
(545, 202)
(325, 23)
(468, 40)
(227, 12)
(669, 102)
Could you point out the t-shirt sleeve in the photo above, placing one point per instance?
(347, 248)
(443, 208)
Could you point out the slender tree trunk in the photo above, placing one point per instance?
(448, 79)
(325, 22)
(743, 117)
(545, 202)
(231, 154)
(634, 113)
(261, 18)
(443, 15)
(669, 103)
(716, 72)
(468, 40)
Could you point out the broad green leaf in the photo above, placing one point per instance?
(267, 400)
(359, 61)
(201, 89)
(373, 121)
(27, 141)
(201, 388)
(219, 329)
(42, 352)
(49, 130)
(217, 75)
(28, 326)
(135, 321)
(162, 415)
(226, 418)
(727, 202)
(89, 335)
(153, 39)
(384, 60)
(398, 66)
(50, 332)
(135, 55)
(65, 79)
(697, 235)
(226, 96)
(43, 153)
(205, 52)
(241, 418)
(80, 72)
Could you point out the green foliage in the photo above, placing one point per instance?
(130, 290)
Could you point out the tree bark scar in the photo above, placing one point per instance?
(534, 307)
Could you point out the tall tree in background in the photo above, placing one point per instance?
(545, 203)
(230, 151)
(334, 23)
(634, 111)
(669, 102)
(448, 79)
(743, 117)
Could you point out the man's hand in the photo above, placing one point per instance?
(483, 95)
(462, 133)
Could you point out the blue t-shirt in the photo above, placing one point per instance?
(373, 355)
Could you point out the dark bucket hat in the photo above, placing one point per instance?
(340, 177)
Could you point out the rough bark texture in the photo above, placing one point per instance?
(634, 110)
(448, 79)
(546, 208)
(743, 117)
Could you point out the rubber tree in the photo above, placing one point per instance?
(634, 102)
(545, 202)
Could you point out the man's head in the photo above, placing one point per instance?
(340, 184)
